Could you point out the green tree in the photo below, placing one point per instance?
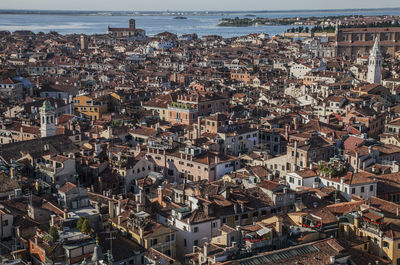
(54, 233)
(80, 222)
(86, 227)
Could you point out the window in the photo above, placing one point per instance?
(255, 214)
(224, 220)
(236, 217)
(362, 189)
(154, 242)
(196, 243)
(291, 180)
(196, 229)
(353, 190)
(245, 216)
(184, 242)
(385, 244)
(371, 188)
(263, 212)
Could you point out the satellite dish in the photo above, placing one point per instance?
(57, 186)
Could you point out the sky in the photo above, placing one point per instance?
(194, 5)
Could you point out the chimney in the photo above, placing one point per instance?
(119, 208)
(235, 208)
(242, 207)
(357, 163)
(287, 132)
(119, 219)
(36, 241)
(100, 183)
(65, 214)
(141, 196)
(199, 127)
(111, 208)
(205, 248)
(295, 152)
(278, 225)
(141, 232)
(12, 172)
(227, 193)
(53, 219)
(160, 195)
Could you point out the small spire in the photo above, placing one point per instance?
(376, 43)
(337, 27)
(97, 253)
(376, 49)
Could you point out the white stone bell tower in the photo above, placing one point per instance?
(375, 64)
(47, 120)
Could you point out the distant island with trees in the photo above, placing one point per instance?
(315, 24)
(331, 29)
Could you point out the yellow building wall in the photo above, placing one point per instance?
(93, 111)
(160, 235)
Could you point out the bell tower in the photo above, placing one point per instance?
(47, 120)
(132, 24)
(375, 64)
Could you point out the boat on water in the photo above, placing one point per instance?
(180, 17)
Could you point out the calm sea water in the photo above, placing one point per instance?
(202, 25)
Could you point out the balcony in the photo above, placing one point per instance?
(48, 168)
(255, 243)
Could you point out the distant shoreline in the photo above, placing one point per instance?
(176, 13)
